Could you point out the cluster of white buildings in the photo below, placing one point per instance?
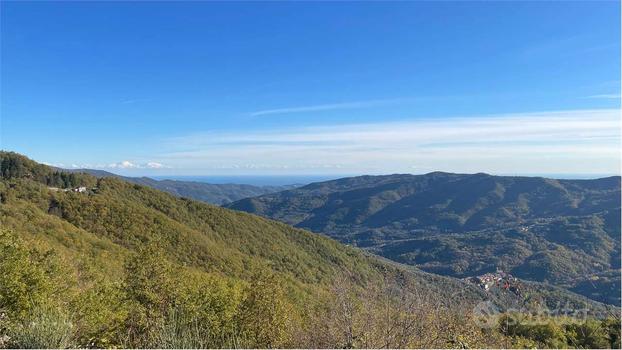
(487, 280)
(80, 189)
(499, 279)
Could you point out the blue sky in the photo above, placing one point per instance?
(206, 88)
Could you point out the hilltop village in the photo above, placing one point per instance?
(499, 279)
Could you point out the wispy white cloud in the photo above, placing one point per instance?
(155, 165)
(606, 96)
(122, 165)
(326, 107)
(577, 45)
(585, 141)
(135, 100)
(126, 164)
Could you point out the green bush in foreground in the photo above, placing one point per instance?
(561, 332)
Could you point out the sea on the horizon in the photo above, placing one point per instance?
(255, 180)
(282, 180)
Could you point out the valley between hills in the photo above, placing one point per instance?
(561, 232)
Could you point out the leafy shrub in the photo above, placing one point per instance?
(46, 327)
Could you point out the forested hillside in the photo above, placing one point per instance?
(100, 262)
(210, 193)
(564, 232)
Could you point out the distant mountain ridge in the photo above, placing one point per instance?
(566, 232)
(206, 192)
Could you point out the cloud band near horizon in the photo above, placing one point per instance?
(580, 141)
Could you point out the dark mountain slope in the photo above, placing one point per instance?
(565, 232)
(210, 193)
